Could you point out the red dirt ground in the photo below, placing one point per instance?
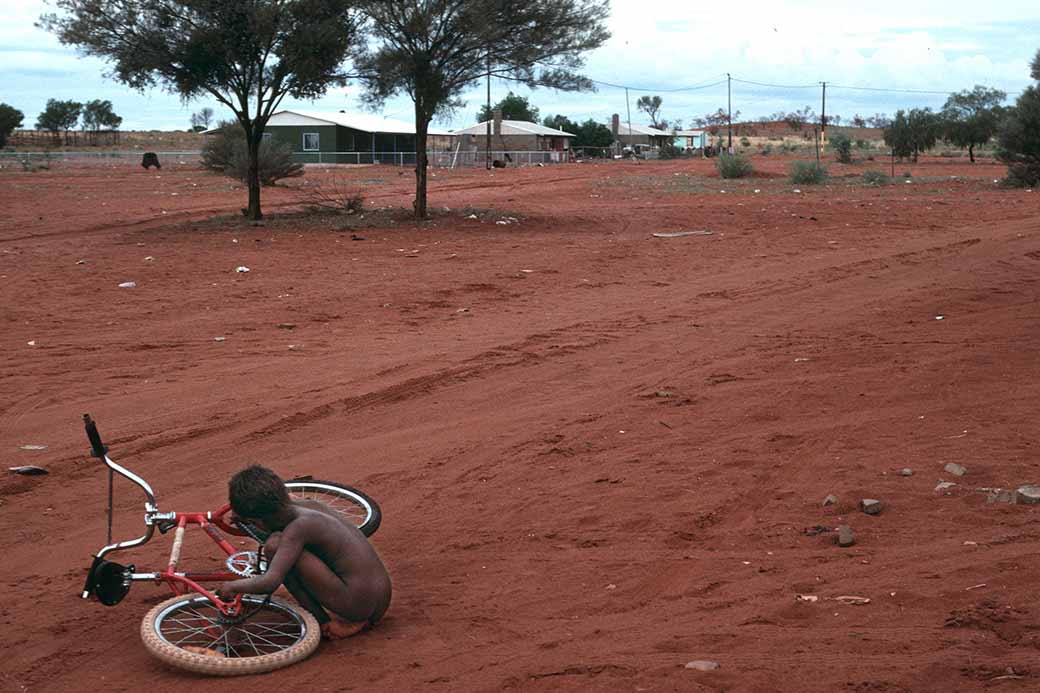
(597, 451)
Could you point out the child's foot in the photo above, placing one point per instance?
(337, 629)
(205, 651)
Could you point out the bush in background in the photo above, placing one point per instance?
(733, 166)
(875, 178)
(1018, 141)
(225, 152)
(808, 172)
(842, 146)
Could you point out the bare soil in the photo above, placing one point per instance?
(600, 454)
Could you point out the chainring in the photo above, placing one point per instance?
(246, 563)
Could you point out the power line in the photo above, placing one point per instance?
(777, 86)
(891, 90)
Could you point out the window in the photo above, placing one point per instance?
(265, 136)
(310, 142)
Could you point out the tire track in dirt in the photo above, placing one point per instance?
(533, 349)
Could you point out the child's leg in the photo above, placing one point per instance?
(317, 588)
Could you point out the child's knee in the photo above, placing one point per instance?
(271, 545)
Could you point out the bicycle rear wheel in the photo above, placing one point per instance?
(188, 632)
(350, 504)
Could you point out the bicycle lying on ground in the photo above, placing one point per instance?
(195, 629)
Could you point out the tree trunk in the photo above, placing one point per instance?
(253, 176)
(971, 152)
(422, 124)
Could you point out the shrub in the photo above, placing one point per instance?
(767, 149)
(842, 146)
(337, 196)
(808, 172)
(1018, 143)
(862, 144)
(225, 152)
(733, 166)
(907, 174)
(668, 151)
(745, 142)
(875, 178)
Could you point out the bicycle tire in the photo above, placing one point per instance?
(353, 505)
(168, 644)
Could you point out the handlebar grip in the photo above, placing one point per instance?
(98, 449)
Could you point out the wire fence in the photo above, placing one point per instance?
(46, 159)
(440, 159)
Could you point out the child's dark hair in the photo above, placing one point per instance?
(257, 492)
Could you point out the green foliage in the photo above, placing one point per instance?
(200, 120)
(745, 142)
(651, 105)
(808, 173)
(226, 152)
(1018, 141)
(593, 134)
(514, 107)
(875, 178)
(907, 174)
(913, 133)
(435, 50)
(98, 115)
(668, 150)
(733, 166)
(767, 149)
(971, 118)
(842, 146)
(59, 116)
(10, 120)
(247, 55)
(559, 122)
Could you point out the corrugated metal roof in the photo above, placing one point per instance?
(641, 130)
(514, 127)
(359, 121)
(689, 133)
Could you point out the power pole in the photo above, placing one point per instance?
(628, 108)
(823, 121)
(491, 116)
(729, 110)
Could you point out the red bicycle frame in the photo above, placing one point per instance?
(180, 582)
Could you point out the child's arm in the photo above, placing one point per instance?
(289, 549)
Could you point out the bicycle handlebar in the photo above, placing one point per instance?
(98, 449)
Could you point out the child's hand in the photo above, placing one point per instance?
(225, 592)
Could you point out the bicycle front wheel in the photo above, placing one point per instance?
(189, 632)
(350, 504)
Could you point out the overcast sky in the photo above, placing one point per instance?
(940, 45)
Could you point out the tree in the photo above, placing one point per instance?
(1018, 140)
(859, 121)
(98, 115)
(651, 105)
(593, 134)
(513, 106)
(713, 122)
(200, 121)
(914, 132)
(559, 122)
(879, 120)
(10, 120)
(796, 120)
(246, 55)
(59, 116)
(971, 118)
(433, 50)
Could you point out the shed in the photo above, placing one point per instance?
(691, 139)
(350, 138)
